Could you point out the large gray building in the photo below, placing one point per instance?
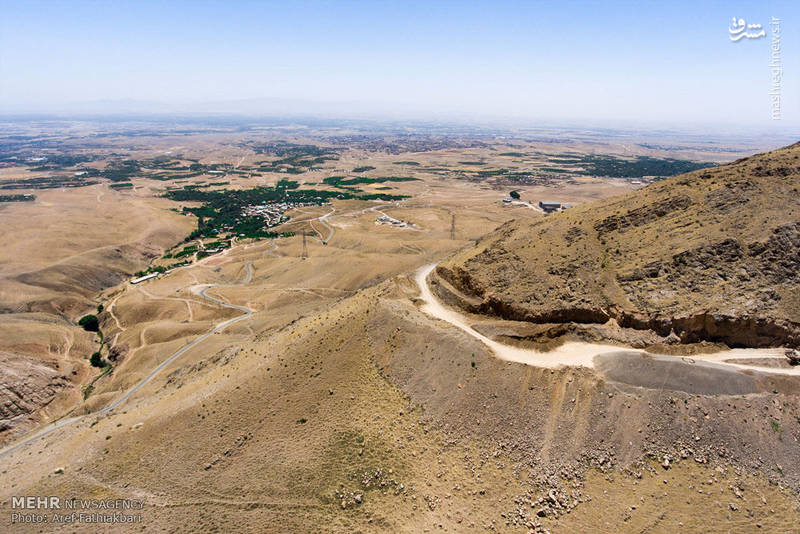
(549, 207)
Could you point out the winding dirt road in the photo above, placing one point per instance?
(568, 354)
(175, 355)
(580, 353)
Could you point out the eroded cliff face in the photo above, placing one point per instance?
(709, 256)
(27, 385)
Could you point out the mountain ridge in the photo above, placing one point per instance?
(709, 256)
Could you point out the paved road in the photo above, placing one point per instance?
(177, 354)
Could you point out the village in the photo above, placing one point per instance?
(273, 212)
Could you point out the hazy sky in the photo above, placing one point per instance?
(667, 61)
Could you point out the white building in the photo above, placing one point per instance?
(143, 278)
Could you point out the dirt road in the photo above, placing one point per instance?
(583, 354)
(177, 354)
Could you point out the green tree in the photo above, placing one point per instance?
(89, 323)
(97, 360)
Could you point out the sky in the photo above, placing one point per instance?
(670, 63)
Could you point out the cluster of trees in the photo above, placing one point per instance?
(157, 269)
(17, 198)
(47, 182)
(61, 161)
(641, 166)
(342, 181)
(121, 171)
(294, 159)
(222, 209)
(187, 251)
(91, 323)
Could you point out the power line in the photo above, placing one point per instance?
(305, 247)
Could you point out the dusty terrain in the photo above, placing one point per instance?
(342, 404)
(371, 416)
(712, 256)
(60, 251)
(71, 243)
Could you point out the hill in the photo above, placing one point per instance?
(342, 405)
(708, 256)
(373, 417)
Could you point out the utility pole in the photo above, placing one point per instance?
(453, 226)
(305, 248)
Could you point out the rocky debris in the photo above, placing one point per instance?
(348, 498)
(573, 234)
(548, 497)
(238, 443)
(672, 338)
(793, 356)
(651, 270)
(731, 197)
(117, 353)
(432, 501)
(178, 377)
(26, 385)
(643, 215)
(727, 429)
(373, 479)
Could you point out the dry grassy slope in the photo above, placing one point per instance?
(68, 245)
(60, 252)
(372, 400)
(713, 255)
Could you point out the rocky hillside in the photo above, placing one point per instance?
(708, 256)
(371, 416)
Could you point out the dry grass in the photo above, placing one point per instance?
(338, 387)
